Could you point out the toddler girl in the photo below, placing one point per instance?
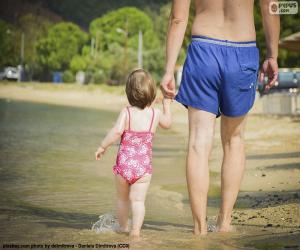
(135, 126)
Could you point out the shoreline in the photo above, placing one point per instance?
(64, 94)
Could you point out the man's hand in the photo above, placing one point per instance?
(167, 86)
(270, 69)
(99, 153)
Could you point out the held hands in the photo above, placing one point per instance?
(167, 85)
(269, 68)
(167, 101)
(99, 153)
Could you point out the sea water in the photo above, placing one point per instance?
(53, 191)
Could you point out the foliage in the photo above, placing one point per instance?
(68, 77)
(116, 35)
(65, 47)
(8, 47)
(79, 63)
(62, 42)
(83, 12)
(34, 27)
(122, 26)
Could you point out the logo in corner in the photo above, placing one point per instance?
(283, 8)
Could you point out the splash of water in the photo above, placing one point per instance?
(107, 223)
(211, 227)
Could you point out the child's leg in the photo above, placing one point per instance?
(137, 196)
(122, 201)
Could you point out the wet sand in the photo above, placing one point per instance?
(267, 213)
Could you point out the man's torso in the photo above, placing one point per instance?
(225, 19)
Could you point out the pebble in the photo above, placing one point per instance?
(269, 225)
(263, 175)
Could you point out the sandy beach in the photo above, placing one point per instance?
(270, 190)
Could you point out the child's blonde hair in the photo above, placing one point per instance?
(140, 88)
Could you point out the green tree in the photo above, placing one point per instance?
(122, 26)
(79, 62)
(117, 33)
(62, 42)
(8, 47)
(83, 12)
(34, 28)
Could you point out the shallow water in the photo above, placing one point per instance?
(52, 189)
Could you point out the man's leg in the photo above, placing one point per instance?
(201, 133)
(233, 165)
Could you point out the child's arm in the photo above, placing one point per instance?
(113, 135)
(165, 118)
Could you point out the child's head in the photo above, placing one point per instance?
(140, 88)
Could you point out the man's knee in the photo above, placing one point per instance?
(232, 130)
(233, 139)
(200, 142)
(200, 148)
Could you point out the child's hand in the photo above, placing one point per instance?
(99, 153)
(167, 101)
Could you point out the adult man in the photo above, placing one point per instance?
(219, 78)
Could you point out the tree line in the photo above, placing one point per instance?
(108, 48)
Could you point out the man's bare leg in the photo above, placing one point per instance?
(233, 165)
(201, 133)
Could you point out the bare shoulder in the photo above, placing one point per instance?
(123, 112)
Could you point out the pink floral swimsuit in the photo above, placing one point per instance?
(134, 157)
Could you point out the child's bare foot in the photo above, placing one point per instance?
(198, 231)
(124, 230)
(225, 229)
(203, 232)
(223, 224)
(135, 235)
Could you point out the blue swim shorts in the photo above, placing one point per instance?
(219, 76)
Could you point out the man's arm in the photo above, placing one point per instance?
(177, 25)
(271, 24)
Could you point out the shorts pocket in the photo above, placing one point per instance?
(248, 60)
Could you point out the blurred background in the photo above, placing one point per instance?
(97, 37)
(63, 65)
